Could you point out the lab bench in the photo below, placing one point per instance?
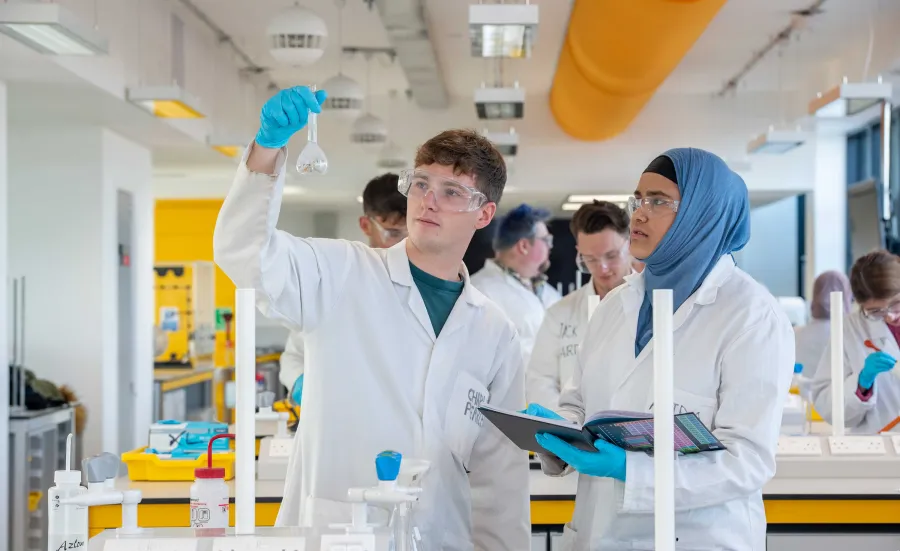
(182, 393)
(798, 511)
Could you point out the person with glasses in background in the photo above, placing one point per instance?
(733, 362)
(601, 239)
(405, 348)
(871, 400)
(384, 224)
(515, 279)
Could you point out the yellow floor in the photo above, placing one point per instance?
(829, 511)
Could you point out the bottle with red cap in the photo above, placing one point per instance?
(209, 497)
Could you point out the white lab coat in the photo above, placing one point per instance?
(525, 308)
(291, 364)
(811, 339)
(382, 380)
(734, 357)
(554, 357)
(884, 405)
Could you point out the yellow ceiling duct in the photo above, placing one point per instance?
(616, 54)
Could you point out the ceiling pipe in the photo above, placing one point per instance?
(798, 21)
(223, 37)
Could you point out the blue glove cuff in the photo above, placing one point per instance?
(266, 141)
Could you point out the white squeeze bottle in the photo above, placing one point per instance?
(67, 524)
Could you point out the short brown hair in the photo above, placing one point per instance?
(875, 276)
(469, 153)
(382, 198)
(597, 216)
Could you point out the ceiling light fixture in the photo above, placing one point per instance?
(297, 36)
(590, 198)
(850, 98)
(776, 141)
(227, 145)
(500, 103)
(507, 143)
(502, 30)
(50, 29)
(167, 102)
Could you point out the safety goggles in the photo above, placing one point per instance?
(652, 206)
(449, 195)
(389, 234)
(892, 311)
(547, 239)
(607, 261)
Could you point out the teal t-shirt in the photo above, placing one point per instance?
(438, 294)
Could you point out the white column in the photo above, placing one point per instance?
(4, 318)
(826, 207)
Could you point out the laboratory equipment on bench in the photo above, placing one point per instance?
(312, 159)
(186, 313)
(67, 523)
(101, 472)
(400, 534)
(277, 443)
(209, 497)
(184, 439)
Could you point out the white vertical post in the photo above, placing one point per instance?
(593, 303)
(837, 363)
(245, 423)
(663, 421)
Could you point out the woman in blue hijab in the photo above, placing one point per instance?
(734, 358)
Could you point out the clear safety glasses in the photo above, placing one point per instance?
(449, 195)
(608, 261)
(652, 206)
(390, 234)
(879, 314)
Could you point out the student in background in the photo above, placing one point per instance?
(515, 278)
(384, 224)
(871, 385)
(812, 338)
(601, 239)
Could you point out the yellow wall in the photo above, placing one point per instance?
(184, 233)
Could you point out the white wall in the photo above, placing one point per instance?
(826, 208)
(128, 166)
(62, 228)
(771, 255)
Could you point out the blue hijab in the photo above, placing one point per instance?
(713, 220)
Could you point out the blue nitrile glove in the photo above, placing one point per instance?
(297, 391)
(540, 411)
(285, 113)
(608, 461)
(876, 362)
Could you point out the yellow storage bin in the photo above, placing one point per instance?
(147, 466)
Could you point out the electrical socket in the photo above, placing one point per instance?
(280, 447)
(806, 446)
(856, 445)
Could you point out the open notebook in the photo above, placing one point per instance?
(630, 430)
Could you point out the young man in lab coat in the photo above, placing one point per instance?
(405, 347)
(601, 234)
(384, 224)
(514, 278)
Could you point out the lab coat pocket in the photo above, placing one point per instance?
(463, 421)
(688, 402)
(568, 539)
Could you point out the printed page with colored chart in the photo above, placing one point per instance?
(634, 432)
(630, 430)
